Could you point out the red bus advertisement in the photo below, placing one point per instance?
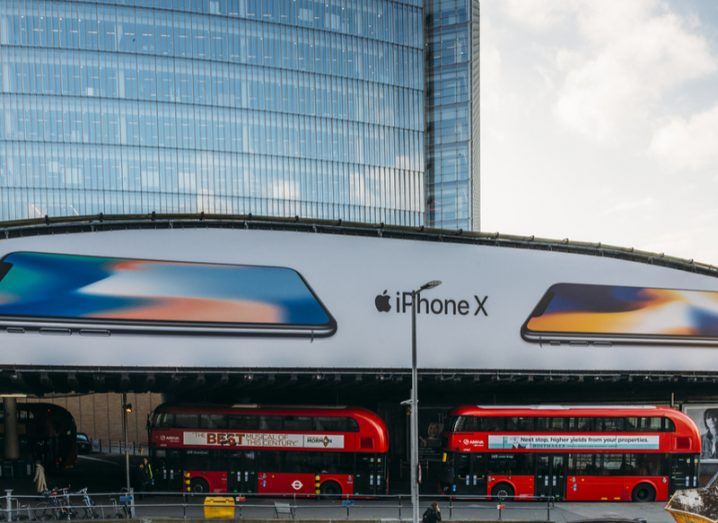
(269, 450)
(570, 453)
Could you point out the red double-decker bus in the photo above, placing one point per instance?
(277, 450)
(571, 453)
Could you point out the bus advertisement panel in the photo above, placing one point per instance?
(572, 453)
(269, 450)
(286, 299)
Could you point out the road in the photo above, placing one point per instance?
(389, 510)
(191, 507)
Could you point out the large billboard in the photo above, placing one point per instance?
(227, 298)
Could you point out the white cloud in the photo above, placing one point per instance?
(630, 205)
(586, 124)
(635, 55)
(689, 143)
(538, 15)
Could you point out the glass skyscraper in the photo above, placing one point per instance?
(313, 108)
(452, 109)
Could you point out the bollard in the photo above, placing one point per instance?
(399, 507)
(68, 505)
(548, 509)
(451, 507)
(132, 502)
(8, 497)
(500, 508)
(184, 505)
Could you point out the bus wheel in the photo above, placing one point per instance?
(330, 489)
(199, 486)
(502, 491)
(644, 492)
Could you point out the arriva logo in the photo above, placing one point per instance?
(474, 306)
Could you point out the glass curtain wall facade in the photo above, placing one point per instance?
(452, 114)
(272, 107)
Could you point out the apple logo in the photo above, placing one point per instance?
(382, 302)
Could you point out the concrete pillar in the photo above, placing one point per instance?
(12, 442)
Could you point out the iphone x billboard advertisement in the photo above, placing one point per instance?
(279, 299)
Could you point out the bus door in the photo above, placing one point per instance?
(684, 471)
(551, 475)
(469, 474)
(242, 472)
(167, 468)
(370, 473)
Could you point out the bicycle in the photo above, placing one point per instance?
(88, 505)
(123, 505)
(56, 505)
(19, 512)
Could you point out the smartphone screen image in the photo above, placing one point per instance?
(606, 314)
(66, 291)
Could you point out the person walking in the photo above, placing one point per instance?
(432, 514)
(40, 479)
(149, 474)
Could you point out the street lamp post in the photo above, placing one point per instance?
(414, 418)
(126, 409)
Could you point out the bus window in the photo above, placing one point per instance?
(511, 464)
(164, 419)
(243, 422)
(649, 464)
(629, 467)
(551, 424)
(492, 424)
(186, 421)
(653, 424)
(301, 462)
(470, 424)
(609, 424)
(213, 421)
(581, 424)
(519, 424)
(196, 459)
(336, 424)
(452, 424)
(271, 423)
(298, 423)
(632, 424)
(668, 425)
(581, 464)
(270, 461)
(611, 464)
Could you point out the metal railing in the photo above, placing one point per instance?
(63, 504)
(110, 446)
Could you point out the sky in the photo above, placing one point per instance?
(599, 122)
